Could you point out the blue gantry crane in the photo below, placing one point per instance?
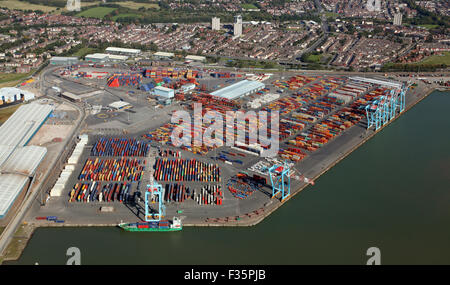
(280, 175)
(281, 180)
(154, 194)
(380, 111)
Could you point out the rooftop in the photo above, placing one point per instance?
(118, 104)
(162, 88)
(63, 58)
(22, 125)
(161, 53)
(124, 50)
(238, 89)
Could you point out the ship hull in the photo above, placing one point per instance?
(128, 228)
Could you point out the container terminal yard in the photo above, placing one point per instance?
(107, 131)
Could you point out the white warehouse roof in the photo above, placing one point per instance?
(64, 58)
(162, 88)
(8, 93)
(24, 160)
(123, 50)
(105, 56)
(17, 163)
(10, 187)
(165, 54)
(239, 89)
(195, 57)
(119, 104)
(5, 152)
(23, 124)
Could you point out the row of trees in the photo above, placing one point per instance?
(414, 67)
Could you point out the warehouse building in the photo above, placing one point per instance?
(164, 92)
(163, 55)
(123, 51)
(239, 89)
(187, 87)
(120, 105)
(71, 97)
(12, 94)
(18, 162)
(63, 60)
(195, 58)
(103, 57)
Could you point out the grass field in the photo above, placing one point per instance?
(21, 5)
(6, 112)
(96, 12)
(12, 79)
(83, 51)
(430, 26)
(314, 57)
(331, 15)
(437, 59)
(136, 5)
(248, 6)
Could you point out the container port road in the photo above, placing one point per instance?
(142, 119)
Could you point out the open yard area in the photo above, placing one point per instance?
(96, 12)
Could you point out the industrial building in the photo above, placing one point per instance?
(19, 162)
(103, 57)
(195, 58)
(163, 55)
(120, 105)
(164, 92)
(70, 96)
(239, 89)
(187, 87)
(123, 51)
(63, 60)
(12, 94)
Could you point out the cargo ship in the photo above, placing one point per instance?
(155, 226)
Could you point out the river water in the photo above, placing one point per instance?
(392, 193)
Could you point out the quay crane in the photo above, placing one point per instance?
(154, 193)
(280, 175)
(379, 112)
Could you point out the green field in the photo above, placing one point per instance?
(12, 79)
(5, 113)
(429, 26)
(19, 5)
(314, 57)
(22, 5)
(331, 15)
(96, 12)
(136, 5)
(248, 6)
(83, 51)
(437, 59)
